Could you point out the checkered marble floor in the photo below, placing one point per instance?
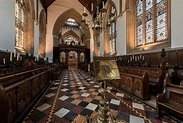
(74, 96)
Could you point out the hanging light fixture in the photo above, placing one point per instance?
(97, 21)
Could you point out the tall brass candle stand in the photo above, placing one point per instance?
(104, 70)
(103, 115)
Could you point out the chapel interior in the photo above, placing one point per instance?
(91, 61)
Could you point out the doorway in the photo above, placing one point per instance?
(72, 60)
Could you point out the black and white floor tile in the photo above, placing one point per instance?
(74, 96)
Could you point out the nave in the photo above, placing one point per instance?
(74, 96)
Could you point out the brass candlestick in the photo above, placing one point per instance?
(103, 115)
(104, 70)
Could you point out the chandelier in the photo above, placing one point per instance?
(98, 19)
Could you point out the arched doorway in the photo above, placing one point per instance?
(72, 60)
(82, 57)
(62, 57)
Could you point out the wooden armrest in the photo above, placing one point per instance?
(160, 97)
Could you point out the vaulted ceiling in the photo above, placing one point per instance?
(86, 3)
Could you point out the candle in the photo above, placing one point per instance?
(130, 58)
(20, 57)
(91, 6)
(37, 57)
(14, 52)
(103, 4)
(143, 57)
(133, 56)
(11, 55)
(4, 61)
(84, 10)
(140, 56)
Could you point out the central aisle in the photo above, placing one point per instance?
(75, 95)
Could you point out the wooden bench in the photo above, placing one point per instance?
(9, 71)
(17, 96)
(26, 66)
(170, 100)
(10, 79)
(156, 77)
(134, 80)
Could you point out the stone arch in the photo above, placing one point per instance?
(42, 33)
(71, 32)
(70, 13)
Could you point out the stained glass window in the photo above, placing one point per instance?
(149, 21)
(161, 20)
(112, 31)
(19, 22)
(70, 39)
(139, 22)
(151, 18)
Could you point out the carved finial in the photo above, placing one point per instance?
(163, 53)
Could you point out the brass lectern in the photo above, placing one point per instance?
(104, 70)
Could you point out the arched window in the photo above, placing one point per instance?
(112, 29)
(152, 21)
(69, 39)
(20, 23)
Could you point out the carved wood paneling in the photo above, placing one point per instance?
(180, 58)
(129, 81)
(172, 58)
(138, 87)
(123, 84)
(17, 97)
(11, 99)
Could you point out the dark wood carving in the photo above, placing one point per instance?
(135, 81)
(171, 99)
(16, 96)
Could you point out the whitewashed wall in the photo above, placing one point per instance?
(121, 35)
(176, 23)
(7, 25)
